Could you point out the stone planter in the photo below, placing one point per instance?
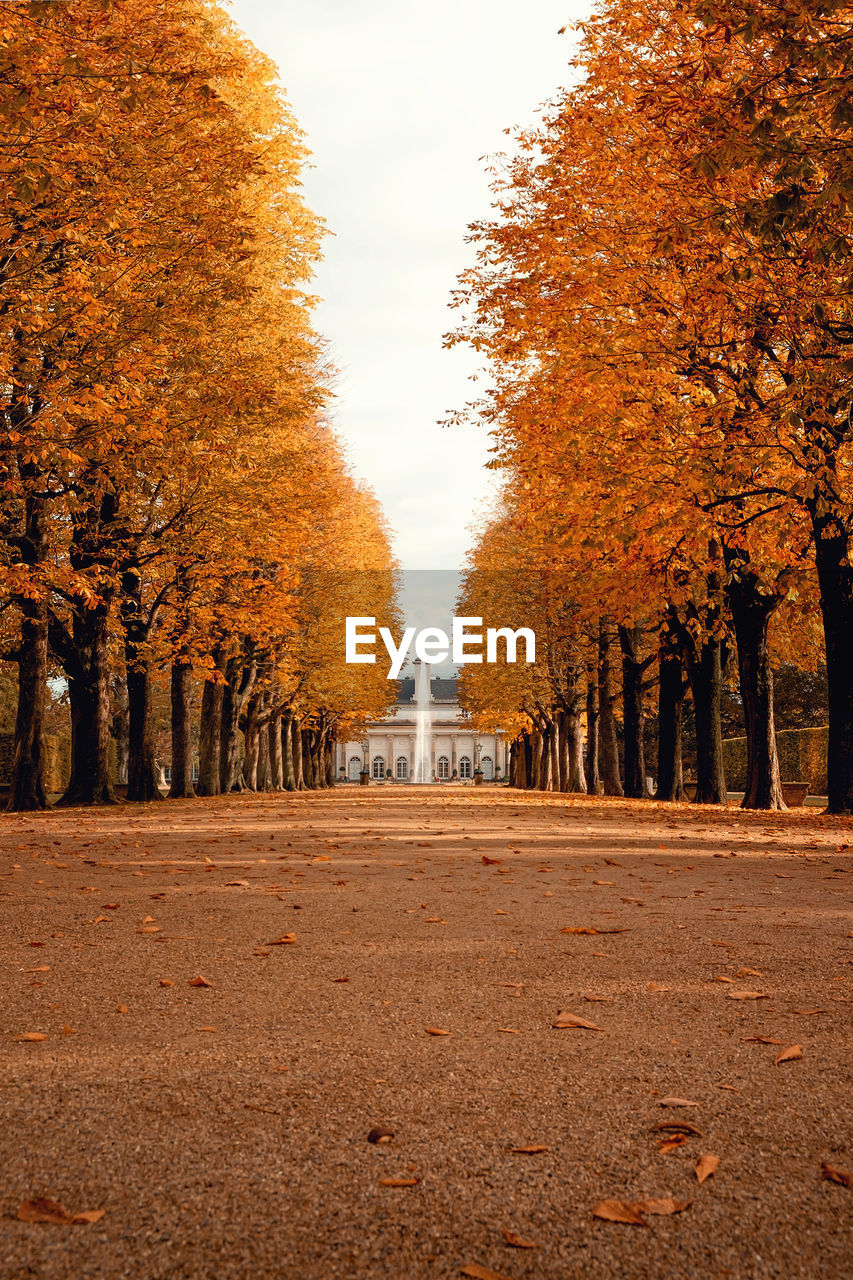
(795, 793)
(364, 778)
(478, 778)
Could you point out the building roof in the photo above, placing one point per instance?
(443, 689)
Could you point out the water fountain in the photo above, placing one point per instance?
(423, 723)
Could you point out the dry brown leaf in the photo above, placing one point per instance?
(200, 982)
(477, 1272)
(748, 995)
(88, 1216)
(664, 1206)
(166, 982)
(150, 928)
(707, 1166)
(380, 1134)
(518, 1242)
(436, 1031)
(399, 1182)
(657, 986)
(672, 1144)
(677, 1102)
(839, 1176)
(121, 1008)
(570, 929)
(527, 1151)
(619, 1211)
(762, 1040)
(340, 979)
(43, 1210)
(32, 1037)
(435, 920)
(679, 1126)
(793, 1054)
(807, 1013)
(571, 1020)
(286, 940)
(67, 1030)
(509, 1031)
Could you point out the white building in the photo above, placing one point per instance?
(456, 751)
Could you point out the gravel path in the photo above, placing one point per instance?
(223, 1127)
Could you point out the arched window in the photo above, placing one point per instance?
(464, 766)
(379, 767)
(402, 768)
(443, 768)
(486, 766)
(354, 768)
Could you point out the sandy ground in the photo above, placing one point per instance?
(223, 1128)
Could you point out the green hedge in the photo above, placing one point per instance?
(802, 758)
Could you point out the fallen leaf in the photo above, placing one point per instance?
(340, 979)
(436, 1031)
(44, 1210)
(200, 982)
(476, 1272)
(582, 929)
(380, 1135)
(748, 995)
(286, 940)
(840, 1176)
(807, 1013)
(672, 1144)
(678, 1126)
(435, 920)
(237, 884)
(793, 1054)
(707, 1166)
(121, 1008)
(518, 1242)
(565, 1020)
(677, 1102)
(657, 986)
(489, 862)
(32, 1037)
(166, 982)
(399, 1182)
(527, 1151)
(67, 1030)
(509, 1031)
(619, 1211)
(664, 1206)
(762, 1040)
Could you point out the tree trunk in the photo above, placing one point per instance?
(142, 772)
(751, 612)
(536, 761)
(330, 762)
(630, 639)
(296, 740)
(705, 668)
(209, 779)
(276, 754)
(88, 696)
(287, 770)
(251, 747)
(27, 791)
(609, 746)
(263, 758)
(593, 778)
(181, 786)
(563, 752)
(671, 691)
(835, 576)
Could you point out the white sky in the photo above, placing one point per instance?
(399, 102)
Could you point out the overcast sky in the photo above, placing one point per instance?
(400, 101)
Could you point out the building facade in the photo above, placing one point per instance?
(455, 750)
